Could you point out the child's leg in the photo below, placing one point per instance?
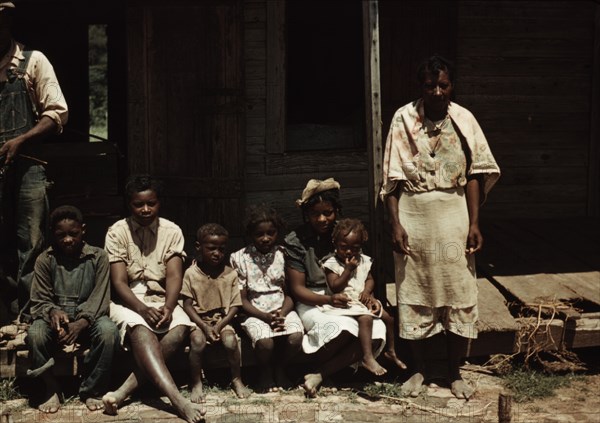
(42, 345)
(104, 341)
(292, 345)
(390, 339)
(264, 351)
(230, 343)
(197, 345)
(365, 331)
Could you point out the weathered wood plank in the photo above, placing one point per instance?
(523, 66)
(262, 183)
(535, 104)
(577, 10)
(558, 193)
(527, 208)
(523, 85)
(585, 333)
(541, 157)
(316, 162)
(494, 315)
(486, 46)
(561, 27)
(534, 140)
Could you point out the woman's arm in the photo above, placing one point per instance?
(399, 235)
(473, 192)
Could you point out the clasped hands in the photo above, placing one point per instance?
(67, 331)
(157, 317)
(275, 320)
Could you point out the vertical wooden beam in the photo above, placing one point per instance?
(137, 92)
(374, 137)
(275, 136)
(593, 171)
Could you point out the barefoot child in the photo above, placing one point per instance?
(211, 300)
(70, 297)
(348, 272)
(272, 319)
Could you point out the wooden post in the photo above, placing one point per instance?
(374, 138)
(275, 137)
(504, 408)
(593, 171)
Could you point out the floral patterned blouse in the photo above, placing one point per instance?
(262, 275)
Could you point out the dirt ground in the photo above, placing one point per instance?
(579, 402)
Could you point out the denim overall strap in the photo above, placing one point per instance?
(17, 114)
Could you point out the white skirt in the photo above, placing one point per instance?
(258, 329)
(322, 328)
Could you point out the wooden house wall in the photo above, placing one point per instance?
(525, 70)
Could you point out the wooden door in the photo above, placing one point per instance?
(186, 107)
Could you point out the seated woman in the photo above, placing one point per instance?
(332, 339)
(146, 256)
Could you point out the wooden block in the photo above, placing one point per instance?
(584, 333)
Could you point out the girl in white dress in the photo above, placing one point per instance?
(348, 271)
(271, 316)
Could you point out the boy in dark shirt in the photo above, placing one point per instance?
(70, 296)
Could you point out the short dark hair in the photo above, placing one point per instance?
(434, 65)
(210, 229)
(142, 182)
(331, 195)
(345, 226)
(258, 213)
(65, 212)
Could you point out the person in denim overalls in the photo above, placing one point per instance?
(69, 301)
(31, 107)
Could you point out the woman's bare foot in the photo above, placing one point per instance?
(391, 356)
(191, 413)
(197, 395)
(112, 401)
(94, 404)
(240, 389)
(311, 384)
(52, 405)
(373, 366)
(461, 389)
(412, 387)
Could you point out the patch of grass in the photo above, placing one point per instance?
(387, 389)
(8, 390)
(527, 385)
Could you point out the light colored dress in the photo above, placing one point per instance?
(304, 252)
(433, 161)
(145, 251)
(263, 277)
(356, 285)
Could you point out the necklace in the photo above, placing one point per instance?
(434, 129)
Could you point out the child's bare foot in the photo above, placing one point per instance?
(94, 404)
(265, 382)
(461, 389)
(412, 387)
(391, 356)
(112, 401)
(240, 389)
(373, 366)
(281, 379)
(311, 384)
(52, 405)
(197, 395)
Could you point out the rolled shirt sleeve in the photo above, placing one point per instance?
(45, 90)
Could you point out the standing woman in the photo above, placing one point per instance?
(333, 340)
(437, 169)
